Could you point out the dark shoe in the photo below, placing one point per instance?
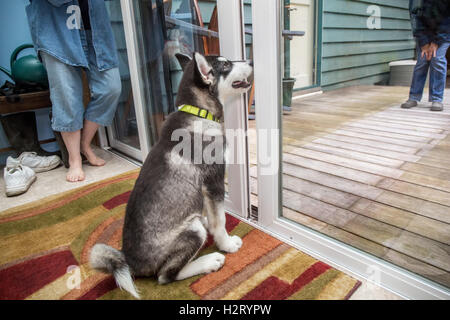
(409, 104)
(437, 106)
(62, 148)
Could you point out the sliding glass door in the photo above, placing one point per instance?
(337, 176)
(148, 35)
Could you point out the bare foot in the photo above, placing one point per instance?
(75, 172)
(91, 157)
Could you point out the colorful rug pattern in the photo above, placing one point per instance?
(44, 249)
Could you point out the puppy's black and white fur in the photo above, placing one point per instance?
(173, 205)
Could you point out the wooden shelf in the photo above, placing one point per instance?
(27, 101)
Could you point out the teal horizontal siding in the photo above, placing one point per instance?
(360, 8)
(357, 48)
(359, 82)
(354, 73)
(337, 20)
(352, 54)
(362, 35)
(403, 4)
(352, 61)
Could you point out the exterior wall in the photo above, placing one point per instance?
(352, 54)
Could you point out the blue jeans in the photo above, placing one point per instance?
(66, 91)
(438, 75)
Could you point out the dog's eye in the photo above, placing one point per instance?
(227, 66)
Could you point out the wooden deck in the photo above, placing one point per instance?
(359, 169)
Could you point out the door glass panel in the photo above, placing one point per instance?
(357, 165)
(162, 29)
(124, 126)
(165, 28)
(154, 65)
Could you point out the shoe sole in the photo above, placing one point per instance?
(436, 109)
(43, 169)
(407, 107)
(19, 190)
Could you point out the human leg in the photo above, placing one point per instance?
(87, 134)
(105, 87)
(66, 89)
(419, 77)
(438, 73)
(72, 142)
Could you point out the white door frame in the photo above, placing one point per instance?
(129, 24)
(232, 46)
(266, 18)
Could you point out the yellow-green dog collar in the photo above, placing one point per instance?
(199, 112)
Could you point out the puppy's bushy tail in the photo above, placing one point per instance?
(106, 258)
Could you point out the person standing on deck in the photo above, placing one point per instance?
(430, 20)
(71, 36)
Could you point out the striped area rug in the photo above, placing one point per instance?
(44, 249)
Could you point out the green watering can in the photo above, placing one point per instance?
(27, 70)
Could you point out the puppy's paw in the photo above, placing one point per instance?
(214, 262)
(163, 280)
(230, 244)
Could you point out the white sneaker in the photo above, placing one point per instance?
(18, 179)
(33, 161)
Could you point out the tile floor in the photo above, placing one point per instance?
(54, 181)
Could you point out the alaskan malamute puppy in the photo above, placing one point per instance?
(177, 199)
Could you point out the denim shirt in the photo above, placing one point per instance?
(437, 14)
(55, 27)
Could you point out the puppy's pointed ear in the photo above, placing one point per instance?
(204, 68)
(183, 60)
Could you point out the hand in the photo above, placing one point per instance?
(424, 50)
(429, 50)
(432, 51)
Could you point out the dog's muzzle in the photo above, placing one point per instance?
(241, 84)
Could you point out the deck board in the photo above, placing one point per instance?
(346, 162)
(372, 143)
(417, 124)
(421, 248)
(430, 171)
(381, 125)
(367, 167)
(396, 138)
(394, 163)
(340, 171)
(363, 244)
(383, 136)
(366, 149)
(360, 169)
